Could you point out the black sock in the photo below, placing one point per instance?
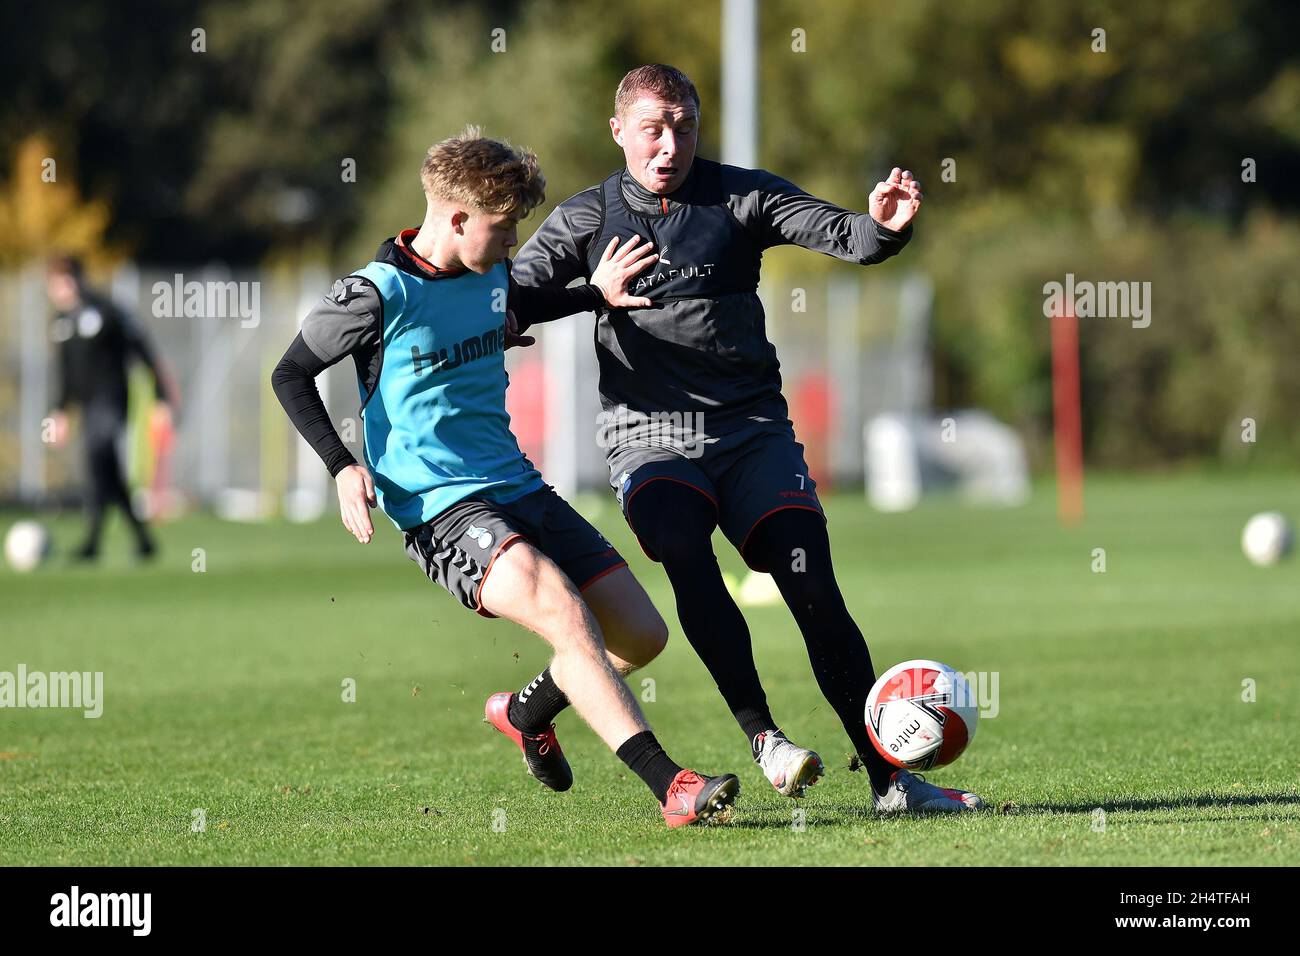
(836, 649)
(710, 619)
(534, 707)
(645, 758)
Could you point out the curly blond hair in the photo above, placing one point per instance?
(484, 173)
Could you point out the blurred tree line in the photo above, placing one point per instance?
(1115, 165)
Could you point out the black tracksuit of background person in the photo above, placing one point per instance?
(97, 341)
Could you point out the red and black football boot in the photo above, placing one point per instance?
(542, 754)
(696, 799)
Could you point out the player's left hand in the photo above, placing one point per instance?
(896, 200)
(513, 336)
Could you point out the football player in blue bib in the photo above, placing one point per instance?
(427, 324)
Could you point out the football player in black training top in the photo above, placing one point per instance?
(697, 433)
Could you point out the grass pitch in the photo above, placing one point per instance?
(1120, 691)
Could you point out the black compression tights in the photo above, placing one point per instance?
(793, 546)
(675, 523)
(101, 426)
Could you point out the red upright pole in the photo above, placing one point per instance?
(1067, 417)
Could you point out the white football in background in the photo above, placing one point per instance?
(1267, 538)
(27, 544)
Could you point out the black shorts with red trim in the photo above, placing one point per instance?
(747, 474)
(456, 548)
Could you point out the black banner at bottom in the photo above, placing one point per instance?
(934, 904)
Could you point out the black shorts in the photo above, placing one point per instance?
(747, 474)
(456, 548)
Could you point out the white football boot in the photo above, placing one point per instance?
(909, 793)
(791, 769)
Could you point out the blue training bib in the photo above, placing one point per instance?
(436, 427)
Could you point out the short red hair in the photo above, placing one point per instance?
(656, 79)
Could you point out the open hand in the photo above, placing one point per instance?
(618, 267)
(896, 200)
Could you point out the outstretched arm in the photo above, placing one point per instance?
(533, 304)
(776, 212)
(553, 256)
(619, 265)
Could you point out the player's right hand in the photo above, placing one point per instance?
(356, 497)
(618, 267)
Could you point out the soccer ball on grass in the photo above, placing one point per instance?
(921, 714)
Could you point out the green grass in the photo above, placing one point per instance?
(1119, 690)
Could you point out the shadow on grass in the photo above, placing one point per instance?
(818, 817)
(829, 816)
(1182, 803)
(847, 814)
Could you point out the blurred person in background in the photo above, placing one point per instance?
(97, 341)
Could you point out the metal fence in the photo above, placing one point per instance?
(850, 347)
